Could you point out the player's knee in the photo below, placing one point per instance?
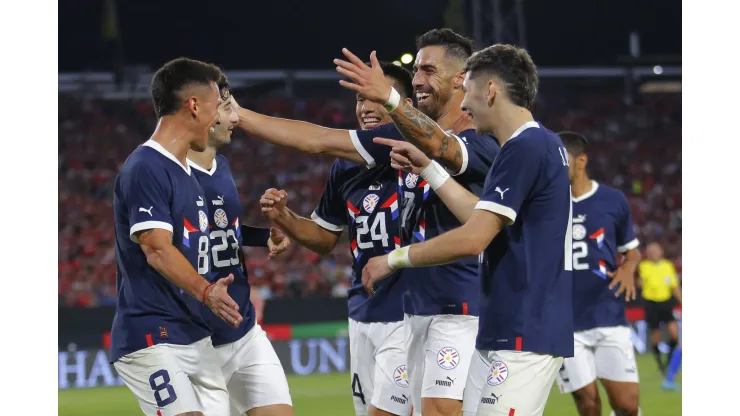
(440, 407)
(626, 404)
(588, 401)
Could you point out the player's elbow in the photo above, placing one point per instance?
(473, 246)
(153, 256)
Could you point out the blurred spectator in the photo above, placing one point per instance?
(637, 149)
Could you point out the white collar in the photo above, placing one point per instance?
(200, 168)
(525, 126)
(158, 147)
(594, 187)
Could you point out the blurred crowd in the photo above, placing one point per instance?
(636, 148)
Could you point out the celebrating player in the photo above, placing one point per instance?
(366, 201)
(254, 376)
(442, 303)
(602, 230)
(160, 343)
(521, 227)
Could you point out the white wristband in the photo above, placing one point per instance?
(393, 101)
(435, 174)
(399, 258)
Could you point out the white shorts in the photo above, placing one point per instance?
(605, 353)
(378, 365)
(170, 379)
(440, 349)
(509, 383)
(253, 373)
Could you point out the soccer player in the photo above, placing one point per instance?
(441, 322)
(660, 289)
(521, 227)
(442, 303)
(602, 231)
(254, 376)
(160, 342)
(365, 201)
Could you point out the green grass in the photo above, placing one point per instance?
(330, 394)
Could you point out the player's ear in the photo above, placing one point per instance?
(409, 101)
(193, 105)
(457, 80)
(491, 92)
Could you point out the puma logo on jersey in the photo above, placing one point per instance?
(579, 219)
(501, 192)
(219, 201)
(148, 211)
(199, 202)
(376, 186)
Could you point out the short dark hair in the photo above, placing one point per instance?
(574, 143)
(456, 45)
(402, 77)
(513, 66)
(223, 87)
(173, 76)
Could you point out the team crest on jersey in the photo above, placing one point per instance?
(369, 203)
(411, 180)
(579, 232)
(219, 217)
(202, 221)
(400, 377)
(498, 374)
(448, 358)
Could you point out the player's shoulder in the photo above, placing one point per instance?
(470, 136)
(609, 193)
(142, 160)
(344, 168)
(222, 163)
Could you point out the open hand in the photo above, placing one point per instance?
(218, 300)
(375, 270)
(405, 156)
(368, 81)
(625, 279)
(277, 243)
(273, 203)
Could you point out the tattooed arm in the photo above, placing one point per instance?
(424, 133)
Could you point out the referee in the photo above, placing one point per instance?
(661, 291)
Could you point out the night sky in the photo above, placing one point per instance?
(248, 34)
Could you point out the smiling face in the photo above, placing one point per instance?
(476, 102)
(204, 108)
(371, 115)
(433, 80)
(227, 119)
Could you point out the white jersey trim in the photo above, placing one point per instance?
(497, 209)
(325, 224)
(369, 161)
(202, 169)
(464, 150)
(158, 147)
(629, 246)
(148, 225)
(589, 194)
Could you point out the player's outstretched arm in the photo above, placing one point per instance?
(415, 127)
(469, 240)
(166, 259)
(405, 156)
(299, 135)
(302, 230)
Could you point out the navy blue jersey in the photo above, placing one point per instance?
(366, 201)
(451, 288)
(526, 271)
(153, 190)
(222, 199)
(602, 227)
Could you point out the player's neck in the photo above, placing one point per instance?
(174, 137)
(580, 185)
(453, 118)
(508, 119)
(203, 159)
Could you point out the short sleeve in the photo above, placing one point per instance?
(478, 153)
(373, 153)
(674, 275)
(147, 197)
(626, 238)
(331, 212)
(513, 175)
